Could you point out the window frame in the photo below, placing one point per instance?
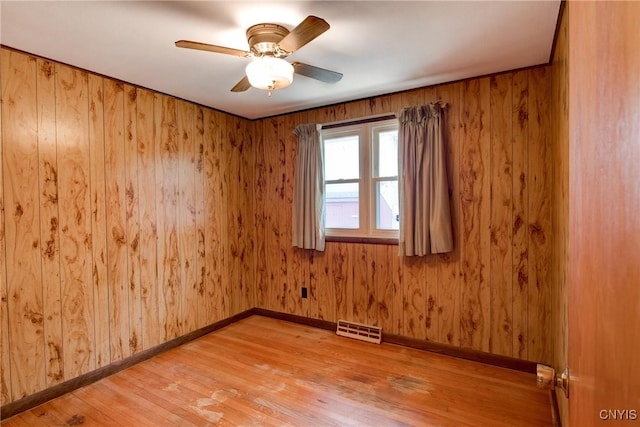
(367, 181)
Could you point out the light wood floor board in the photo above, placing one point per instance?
(267, 372)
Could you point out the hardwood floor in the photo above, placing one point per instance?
(266, 372)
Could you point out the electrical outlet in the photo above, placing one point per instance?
(304, 292)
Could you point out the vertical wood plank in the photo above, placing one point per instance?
(397, 272)
(5, 355)
(22, 238)
(114, 139)
(371, 285)
(501, 341)
(449, 263)
(260, 201)
(225, 227)
(475, 205)
(72, 109)
(213, 252)
(540, 227)
(187, 235)
(97, 163)
(229, 179)
(272, 233)
(384, 285)
(247, 224)
(49, 222)
(432, 315)
(132, 218)
(520, 234)
(359, 291)
(325, 288)
(149, 289)
(350, 261)
(166, 145)
(337, 256)
(311, 269)
(235, 193)
(200, 200)
(414, 300)
(295, 257)
(231, 274)
(288, 296)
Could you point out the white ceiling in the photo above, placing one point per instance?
(379, 46)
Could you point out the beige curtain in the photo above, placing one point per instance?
(308, 189)
(425, 218)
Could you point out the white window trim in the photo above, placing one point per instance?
(367, 188)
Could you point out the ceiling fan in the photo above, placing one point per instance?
(269, 44)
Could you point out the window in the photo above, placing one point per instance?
(361, 180)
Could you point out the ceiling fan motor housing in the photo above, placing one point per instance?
(264, 38)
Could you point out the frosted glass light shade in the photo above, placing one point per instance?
(269, 73)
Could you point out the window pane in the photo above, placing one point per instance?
(387, 153)
(387, 206)
(342, 158)
(342, 206)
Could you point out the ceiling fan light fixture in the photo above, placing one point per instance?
(269, 73)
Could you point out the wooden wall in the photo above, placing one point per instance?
(124, 221)
(494, 292)
(130, 218)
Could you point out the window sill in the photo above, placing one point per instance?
(369, 240)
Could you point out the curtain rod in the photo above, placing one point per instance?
(359, 121)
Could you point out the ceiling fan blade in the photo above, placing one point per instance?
(306, 31)
(212, 48)
(242, 85)
(317, 73)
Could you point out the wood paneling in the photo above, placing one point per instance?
(475, 206)
(99, 221)
(5, 359)
(132, 208)
(113, 233)
(72, 108)
(500, 268)
(480, 295)
(214, 260)
(187, 235)
(167, 174)
(520, 214)
(151, 330)
(116, 219)
(540, 226)
(183, 218)
(201, 206)
(49, 222)
(22, 225)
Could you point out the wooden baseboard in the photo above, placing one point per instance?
(463, 353)
(316, 323)
(448, 350)
(36, 399)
